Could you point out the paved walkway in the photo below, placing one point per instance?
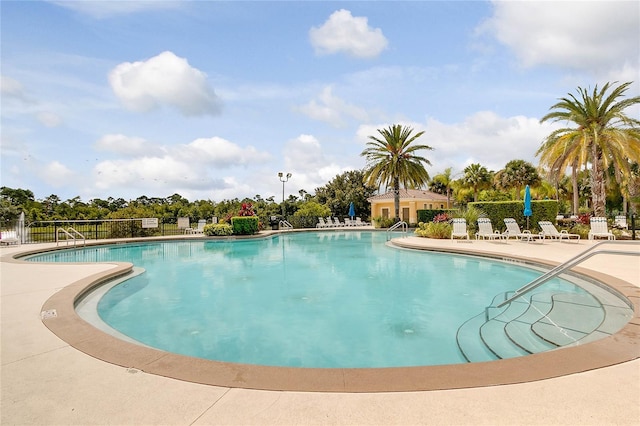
(47, 382)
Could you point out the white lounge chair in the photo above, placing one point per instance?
(513, 230)
(599, 229)
(9, 237)
(459, 228)
(485, 230)
(620, 222)
(337, 223)
(200, 228)
(321, 223)
(360, 222)
(549, 230)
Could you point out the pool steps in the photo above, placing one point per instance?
(542, 321)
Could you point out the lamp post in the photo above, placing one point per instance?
(283, 179)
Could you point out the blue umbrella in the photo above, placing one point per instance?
(352, 210)
(527, 204)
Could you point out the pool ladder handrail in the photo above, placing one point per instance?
(568, 264)
(401, 224)
(285, 224)
(70, 233)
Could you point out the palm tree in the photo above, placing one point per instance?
(476, 177)
(602, 135)
(516, 174)
(392, 161)
(445, 180)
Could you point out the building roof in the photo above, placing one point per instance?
(410, 194)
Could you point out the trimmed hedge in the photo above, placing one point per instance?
(498, 210)
(245, 225)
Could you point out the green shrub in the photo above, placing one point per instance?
(439, 230)
(497, 211)
(218, 230)
(381, 222)
(471, 215)
(244, 225)
(580, 229)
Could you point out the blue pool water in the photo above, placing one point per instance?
(317, 299)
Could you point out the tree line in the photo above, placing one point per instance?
(599, 144)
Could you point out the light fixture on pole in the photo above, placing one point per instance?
(283, 179)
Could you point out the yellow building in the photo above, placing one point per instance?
(411, 200)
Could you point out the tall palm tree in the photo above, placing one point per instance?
(392, 161)
(601, 134)
(445, 180)
(477, 177)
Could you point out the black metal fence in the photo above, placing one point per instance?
(68, 230)
(65, 230)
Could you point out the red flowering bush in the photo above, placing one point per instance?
(246, 210)
(584, 219)
(441, 218)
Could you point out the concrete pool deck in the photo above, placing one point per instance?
(47, 381)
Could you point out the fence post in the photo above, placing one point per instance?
(633, 226)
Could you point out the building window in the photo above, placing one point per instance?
(405, 214)
(385, 213)
(430, 206)
(442, 206)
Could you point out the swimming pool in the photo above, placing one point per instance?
(316, 300)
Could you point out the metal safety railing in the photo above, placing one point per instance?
(569, 264)
(402, 225)
(285, 225)
(70, 233)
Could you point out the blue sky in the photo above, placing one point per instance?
(211, 99)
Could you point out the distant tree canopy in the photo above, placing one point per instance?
(346, 188)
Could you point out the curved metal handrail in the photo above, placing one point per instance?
(568, 264)
(70, 233)
(402, 224)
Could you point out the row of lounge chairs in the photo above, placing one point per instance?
(548, 230)
(335, 222)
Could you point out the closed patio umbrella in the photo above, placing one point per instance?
(352, 210)
(527, 204)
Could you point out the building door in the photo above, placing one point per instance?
(405, 214)
(385, 213)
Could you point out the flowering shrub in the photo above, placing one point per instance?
(438, 230)
(246, 210)
(584, 219)
(440, 218)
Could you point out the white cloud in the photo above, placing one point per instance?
(165, 79)
(56, 174)
(331, 109)
(306, 160)
(127, 145)
(193, 169)
(220, 153)
(107, 9)
(484, 138)
(11, 87)
(582, 35)
(49, 119)
(344, 33)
